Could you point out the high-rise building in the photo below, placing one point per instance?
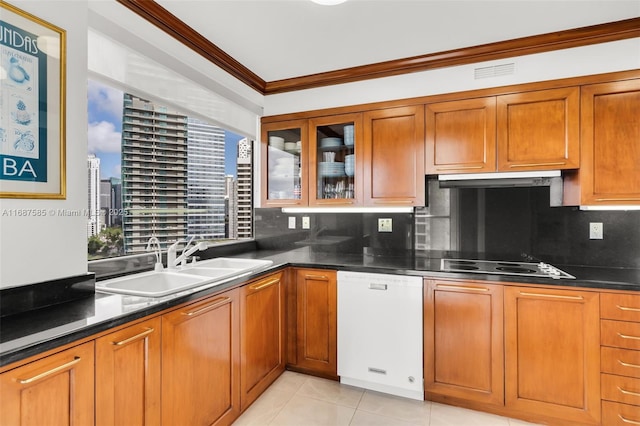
(231, 200)
(93, 196)
(116, 202)
(111, 202)
(244, 189)
(154, 174)
(105, 201)
(206, 180)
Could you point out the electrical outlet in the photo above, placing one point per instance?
(306, 223)
(385, 225)
(596, 231)
(292, 222)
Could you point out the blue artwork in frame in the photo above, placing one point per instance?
(32, 146)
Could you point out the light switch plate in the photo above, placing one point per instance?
(292, 222)
(306, 223)
(385, 225)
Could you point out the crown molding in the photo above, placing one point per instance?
(503, 49)
(170, 24)
(595, 34)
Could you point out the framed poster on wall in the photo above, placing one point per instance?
(32, 106)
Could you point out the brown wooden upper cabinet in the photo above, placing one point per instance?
(284, 154)
(526, 131)
(610, 156)
(335, 160)
(461, 136)
(373, 158)
(394, 157)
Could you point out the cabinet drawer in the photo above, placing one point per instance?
(620, 361)
(616, 414)
(620, 334)
(621, 389)
(625, 307)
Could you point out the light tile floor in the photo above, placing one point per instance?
(300, 400)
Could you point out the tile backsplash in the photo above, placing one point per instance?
(342, 232)
(509, 220)
(500, 222)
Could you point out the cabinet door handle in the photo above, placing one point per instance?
(626, 364)
(625, 308)
(316, 277)
(559, 163)
(460, 287)
(552, 296)
(54, 370)
(626, 336)
(134, 338)
(631, 422)
(214, 304)
(626, 392)
(377, 370)
(263, 285)
(374, 286)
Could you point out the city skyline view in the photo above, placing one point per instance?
(105, 106)
(153, 171)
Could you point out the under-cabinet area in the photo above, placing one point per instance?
(548, 354)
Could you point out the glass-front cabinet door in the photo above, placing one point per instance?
(335, 176)
(284, 164)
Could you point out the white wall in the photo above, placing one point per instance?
(595, 59)
(34, 249)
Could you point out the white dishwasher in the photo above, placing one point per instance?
(380, 332)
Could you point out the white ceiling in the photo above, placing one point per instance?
(279, 39)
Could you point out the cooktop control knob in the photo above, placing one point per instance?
(552, 271)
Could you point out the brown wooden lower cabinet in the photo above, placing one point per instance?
(616, 414)
(200, 362)
(128, 372)
(552, 353)
(624, 362)
(524, 352)
(205, 362)
(312, 305)
(463, 340)
(54, 390)
(262, 334)
(619, 336)
(621, 389)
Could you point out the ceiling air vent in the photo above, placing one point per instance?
(494, 71)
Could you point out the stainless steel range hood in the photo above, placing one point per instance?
(548, 178)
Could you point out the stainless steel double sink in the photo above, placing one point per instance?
(169, 281)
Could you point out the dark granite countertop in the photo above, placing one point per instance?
(30, 333)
